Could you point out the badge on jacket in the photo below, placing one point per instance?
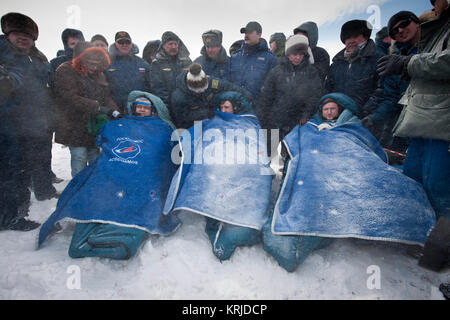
(215, 84)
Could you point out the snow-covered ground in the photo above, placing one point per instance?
(183, 267)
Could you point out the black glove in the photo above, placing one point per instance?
(393, 64)
(110, 112)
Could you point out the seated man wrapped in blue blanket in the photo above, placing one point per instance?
(224, 175)
(337, 184)
(119, 199)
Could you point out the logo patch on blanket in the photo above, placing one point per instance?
(126, 149)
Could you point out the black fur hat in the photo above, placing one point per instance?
(18, 22)
(354, 28)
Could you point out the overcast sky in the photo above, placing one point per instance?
(147, 19)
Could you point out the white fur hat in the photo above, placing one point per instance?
(299, 42)
(196, 79)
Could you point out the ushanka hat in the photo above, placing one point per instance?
(354, 28)
(299, 43)
(196, 79)
(212, 38)
(17, 22)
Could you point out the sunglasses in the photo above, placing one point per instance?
(124, 41)
(402, 25)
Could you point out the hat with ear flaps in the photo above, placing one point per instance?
(17, 22)
(299, 43)
(355, 28)
(196, 79)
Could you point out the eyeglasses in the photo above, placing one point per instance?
(402, 25)
(124, 41)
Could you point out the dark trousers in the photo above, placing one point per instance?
(36, 163)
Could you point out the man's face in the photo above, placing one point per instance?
(273, 46)
(100, 44)
(252, 38)
(21, 41)
(212, 52)
(124, 46)
(72, 42)
(226, 107)
(330, 111)
(92, 66)
(171, 48)
(296, 58)
(352, 43)
(405, 31)
(143, 111)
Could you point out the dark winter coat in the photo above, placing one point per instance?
(29, 106)
(321, 56)
(358, 79)
(189, 106)
(249, 67)
(289, 94)
(67, 52)
(165, 69)
(78, 98)
(218, 67)
(126, 74)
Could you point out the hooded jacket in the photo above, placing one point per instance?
(218, 67)
(289, 94)
(68, 52)
(342, 100)
(125, 74)
(427, 100)
(357, 79)
(165, 69)
(321, 56)
(189, 106)
(249, 66)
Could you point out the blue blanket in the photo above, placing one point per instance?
(127, 185)
(338, 185)
(225, 171)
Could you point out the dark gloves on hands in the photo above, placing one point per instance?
(393, 64)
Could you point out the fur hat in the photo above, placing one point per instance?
(196, 79)
(18, 22)
(212, 38)
(354, 28)
(85, 51)
(299, 43)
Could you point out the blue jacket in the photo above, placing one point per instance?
(29, 106)
(250, 65)
(126, 74)
(218, 67)
(358, 79)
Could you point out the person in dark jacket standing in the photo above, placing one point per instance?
(214, 59)
(291, 90)
(25, 135)
(383, 107)
(70, 38)
(353, 71)
(425, 119)
(127, 72)
(172, 59)
(277, 43)
(193, 99)
(250, 65)
(82, 92)
(321, 56)
(150, 49)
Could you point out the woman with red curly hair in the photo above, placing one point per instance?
(82, 93)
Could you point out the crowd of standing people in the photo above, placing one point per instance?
(399, 82)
